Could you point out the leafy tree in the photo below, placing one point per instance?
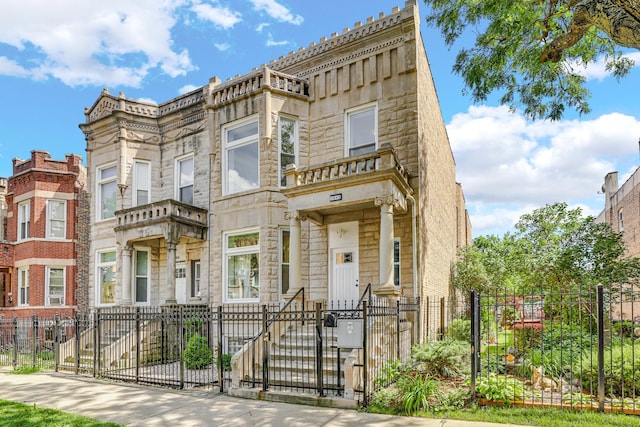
(530, 50)
(554, 248)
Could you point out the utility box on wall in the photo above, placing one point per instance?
(350, 333)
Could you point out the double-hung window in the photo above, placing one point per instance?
(141, 183)
(396, 262)
(288, 136)
(142, 277)
(361, 130)
(284, 261)
(184, 179)
(107, 187)
(56, 219)
(241, 157)
(23, 286)
(106, 277)
(242, 267)
(55, 286)
(24, 220)
(195, 279)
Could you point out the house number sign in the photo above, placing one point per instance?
(335, 197)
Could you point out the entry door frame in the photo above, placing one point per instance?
(343, 237)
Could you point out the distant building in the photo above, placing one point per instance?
(622, 212)
(44, 244)
(327, 169)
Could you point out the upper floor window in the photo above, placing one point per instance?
(107, 187)
(288, 137)
(396, 262)
(55, 286)
(56, 219)
(24, 220)
(141, 183)
(620, 221)
(361, 130)
(184, 179)
(23, 286)
(241, 158)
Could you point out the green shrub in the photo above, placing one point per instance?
(621, 369)
(197, 355)
(390, 371)
(526, 338)
(500, 388)
(493, 364)
(460, 330)
(387, 397)
(447, 358)
(416, 391)
(226, 362)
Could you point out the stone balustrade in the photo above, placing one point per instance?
(160, 211)
(383, 159)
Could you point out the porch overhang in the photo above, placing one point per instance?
(348, 185)
(168, 219)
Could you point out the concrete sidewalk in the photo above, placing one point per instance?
(135, 405)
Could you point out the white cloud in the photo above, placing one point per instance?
(271, 42)
(220, 16)
(277, 11)
(91, 42)
(506, 162)
(12, 68)
(222, 46)
(187, 89)
(261, 27)
(598, 70)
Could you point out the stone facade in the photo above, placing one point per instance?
(328, 169)
(44, 236)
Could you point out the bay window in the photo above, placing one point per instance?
(241, 158)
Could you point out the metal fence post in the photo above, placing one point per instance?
(398, 329)
(137, 325)
(319, 378)
(180, 335)
(441, 334)
(265, 348)
(600, 302)
(34, 341)
(15, 342)
(76, 325)
(475, 341)
(96, 343)
(365, 365)
(417, 321)
(220, 352)
(56, 343)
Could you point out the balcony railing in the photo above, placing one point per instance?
(161, 211)
(384, 159)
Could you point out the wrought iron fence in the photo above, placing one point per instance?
(334, 349)
(579, 350)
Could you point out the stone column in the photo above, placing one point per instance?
(126, 275)
(386, 285)
(295, 249)
(171, 273)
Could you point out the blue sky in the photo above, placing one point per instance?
(57, 55)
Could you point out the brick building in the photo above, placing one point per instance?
(45, 231)
(327, 169)
(6, 249)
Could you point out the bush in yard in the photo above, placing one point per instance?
(621, 369)
(460, 330)
(418, 392)
(197, 355)
(447, 358)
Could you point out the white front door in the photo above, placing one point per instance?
(344, 270)
(345, 274)
(181, 283)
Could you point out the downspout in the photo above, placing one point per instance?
(414, 244)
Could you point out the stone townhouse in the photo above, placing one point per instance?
(44, 244)
(328, 169)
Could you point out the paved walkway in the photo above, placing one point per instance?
(135, 405)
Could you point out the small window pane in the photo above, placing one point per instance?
(241, 240)
(242, 132)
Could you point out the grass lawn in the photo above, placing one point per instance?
(549, 417)
(13, 414)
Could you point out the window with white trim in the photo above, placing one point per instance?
(284, 261)
(106, 277)
(241, 156)
(396, 262)
(141, 277)
(361, 130)
(141, 183)
(23, 286)
(24, 220)
(241, 266)
(56, 219)
(288, 137)
(184, 179)
(55, 278)
(107, 186)
(195, 279)
(620, 220)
